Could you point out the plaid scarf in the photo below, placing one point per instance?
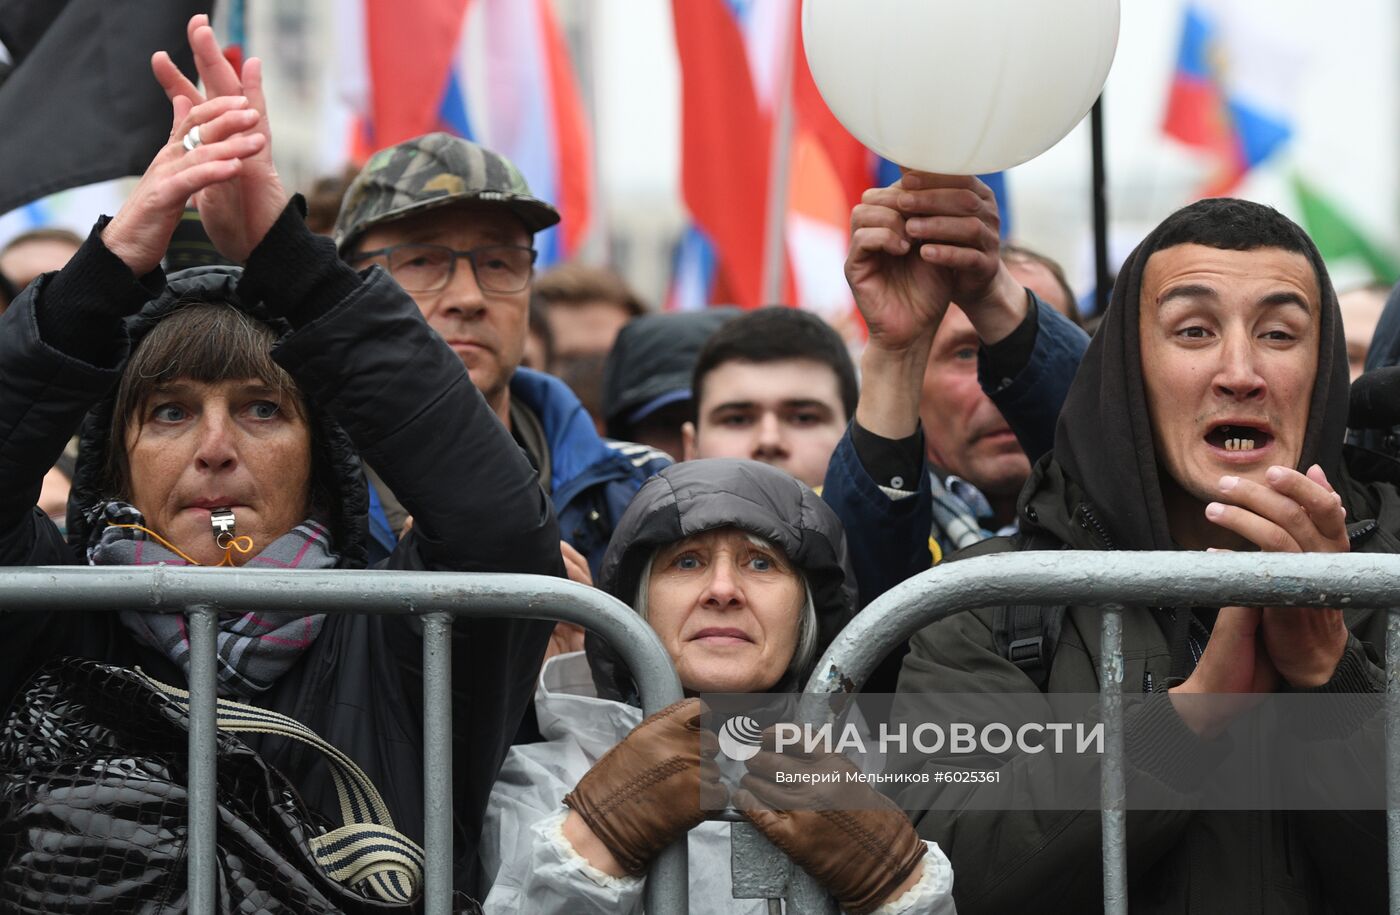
(254, 649)
(959, 508)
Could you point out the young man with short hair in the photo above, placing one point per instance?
(775, 385)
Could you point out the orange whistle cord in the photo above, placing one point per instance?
(242, 544)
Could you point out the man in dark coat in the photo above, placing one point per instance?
(985, 355)
(454, 223)
(1209, 413)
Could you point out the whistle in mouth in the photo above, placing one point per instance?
(222, 522)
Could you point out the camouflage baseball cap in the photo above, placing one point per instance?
(430, 171)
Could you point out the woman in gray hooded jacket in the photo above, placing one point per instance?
(741, 571)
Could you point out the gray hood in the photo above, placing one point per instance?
(698, 496)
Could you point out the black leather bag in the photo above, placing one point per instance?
(93, 809)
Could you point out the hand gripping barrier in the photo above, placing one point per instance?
(1111, 581)
(436, 597)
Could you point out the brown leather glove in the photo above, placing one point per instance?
(652, 788)
(847, 835)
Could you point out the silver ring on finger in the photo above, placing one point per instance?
(192, 141)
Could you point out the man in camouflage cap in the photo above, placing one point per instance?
(432, 171)
(419, 210)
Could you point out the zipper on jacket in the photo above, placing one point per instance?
(1361, 532)
(1090, 523)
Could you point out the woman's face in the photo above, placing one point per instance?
(727, 611)
(198, 446)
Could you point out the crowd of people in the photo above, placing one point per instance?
(399, 390)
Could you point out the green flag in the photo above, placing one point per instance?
(1338, 237)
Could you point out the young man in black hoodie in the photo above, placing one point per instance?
(1209, 413)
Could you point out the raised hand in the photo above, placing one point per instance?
(238, 213)
(141, 230)
(923, 242)
(901, 295)
(1291, 512)
(917, 246)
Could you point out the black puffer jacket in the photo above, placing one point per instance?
(372, 373)
(698, 496)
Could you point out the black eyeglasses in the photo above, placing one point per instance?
(429, 268)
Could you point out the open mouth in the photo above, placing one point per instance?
(1238, 437)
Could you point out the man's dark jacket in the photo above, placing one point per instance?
(366, 364)
(890, 537)
(1099, 490)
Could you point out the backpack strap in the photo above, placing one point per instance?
(1026, 634)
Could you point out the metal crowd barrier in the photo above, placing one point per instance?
(1109, 580)
(435, 597)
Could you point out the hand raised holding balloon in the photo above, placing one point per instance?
(922, 242)
(955, 221)
(901, 296)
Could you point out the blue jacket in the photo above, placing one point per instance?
(592, 479)
(889, 538)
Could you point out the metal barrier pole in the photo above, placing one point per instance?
(1112, 786)
(437, 763)
(62, 589)
(1347, 581)
(1392, 753)
(201, 856)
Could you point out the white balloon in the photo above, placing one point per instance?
(960, 86)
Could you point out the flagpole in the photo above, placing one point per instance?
(1102, 281)
(237, 24)
(774, 249)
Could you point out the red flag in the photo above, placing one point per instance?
(725, 143)
(410, 51)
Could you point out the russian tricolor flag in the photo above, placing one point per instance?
(494, 71)
(742, 67)
(1231, 91)
(734, 89)
(728, 54)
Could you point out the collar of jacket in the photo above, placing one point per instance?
(579, 458)
(567, 704)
